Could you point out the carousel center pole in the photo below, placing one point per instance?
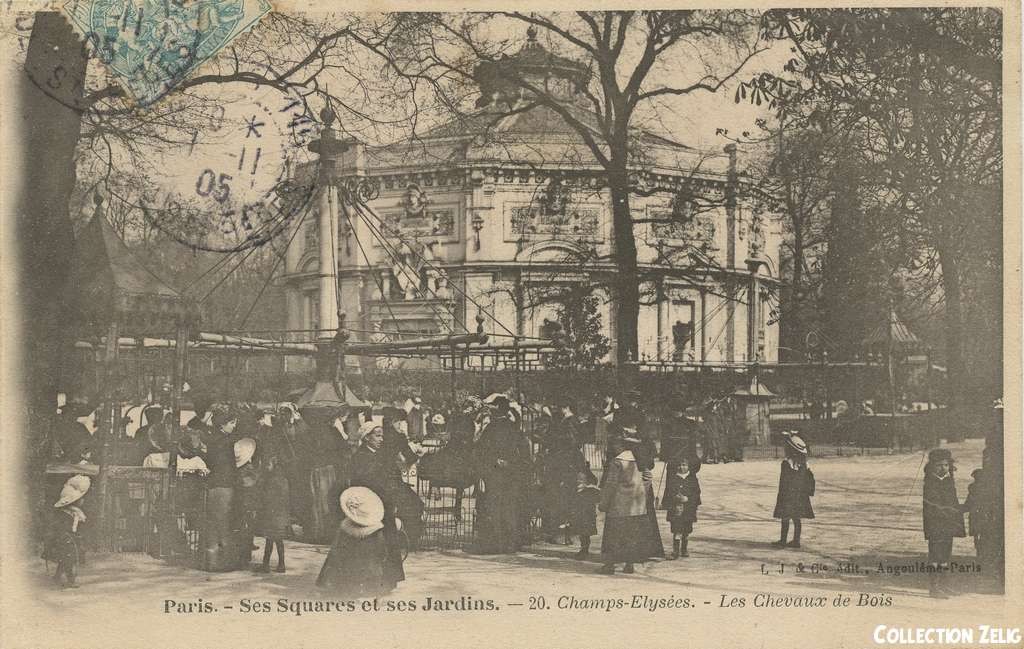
(108, 419)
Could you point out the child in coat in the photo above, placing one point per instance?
(583, 511)
(274, 520)
(64, 538)
(943, 519)
(682, 505)
(796, 486)
(355, 565)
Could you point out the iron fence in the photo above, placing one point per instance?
(127, 510)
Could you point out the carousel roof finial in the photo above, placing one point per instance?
(327, 115)
(531, 33)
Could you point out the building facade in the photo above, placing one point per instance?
(503, 214)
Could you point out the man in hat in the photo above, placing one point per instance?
(74, 430)
(415, 420)
(151, 435)
(943, 519)
(502, 460)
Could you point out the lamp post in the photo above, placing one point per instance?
(477, 223)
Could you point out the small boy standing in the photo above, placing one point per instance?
(583, 513)
(64, 538)
(274, 519)
(943, 519)
(682, 505)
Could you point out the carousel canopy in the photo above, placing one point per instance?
(894, 330)
(108, 281)
(324, 395)
(757, 390)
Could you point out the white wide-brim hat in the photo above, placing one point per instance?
(245, 448)
(437, 420)
(496, 398)
(73, 490)
(795, 442)
(365, 429)
(361, 506)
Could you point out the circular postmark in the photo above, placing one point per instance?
(239, 179)
(242, 172)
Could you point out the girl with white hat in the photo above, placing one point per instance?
(356, 563)
(63, 545)
(796, 486)
(248, 498)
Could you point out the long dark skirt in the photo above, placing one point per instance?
(409, 508)
(626, 539)
(325, 487)
(218, 542)
(356, 567)
(653, 547)
(502, 517)
(394, 572)
(557, 499)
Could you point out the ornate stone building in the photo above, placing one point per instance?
(502, 212)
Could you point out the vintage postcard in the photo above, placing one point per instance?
(664, 324)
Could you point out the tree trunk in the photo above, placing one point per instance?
(44, 235)
(792, 329)
(956, 381)
(627, 284)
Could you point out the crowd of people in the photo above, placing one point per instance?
(338, 476)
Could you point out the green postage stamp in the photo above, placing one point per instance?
(152, 46)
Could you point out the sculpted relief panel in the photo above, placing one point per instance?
(418, 219)
(530, 221)
(688, 227)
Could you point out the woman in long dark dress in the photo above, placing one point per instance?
(294, 452)
(408, 506)
(217, 450)
(370, 468)
(247, 499)
(502, 460)
(645, 453)
(357, 564)
(561, 462)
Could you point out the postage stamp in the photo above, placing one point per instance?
(152, 46)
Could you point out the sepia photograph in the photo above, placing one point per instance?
(507, 325)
